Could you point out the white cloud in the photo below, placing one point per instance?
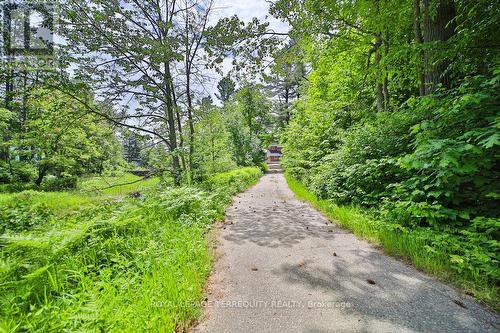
(246, 10)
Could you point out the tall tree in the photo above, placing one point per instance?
(439, 26)
(419, 39)
(377, 26)
(63, 137)
(287, 73)
(253, 103)
(226, 88)
(126, 50)
(195, 18)
(214, 151)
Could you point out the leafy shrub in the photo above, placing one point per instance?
(17, 187)
(180, 203)
(233, 181)
(263, 166)
(20, 213)
(454, 166)
(22, 172)
(432, 162)
(360, 184)
(361, 168)
(5, 175)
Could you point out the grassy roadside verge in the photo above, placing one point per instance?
(415, 246)
(85, 195)
(135, 265)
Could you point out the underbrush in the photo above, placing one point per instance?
(470, 263)
(135, 265)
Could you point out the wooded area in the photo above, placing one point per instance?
(388, 109)
(128, 69)
(400, 117)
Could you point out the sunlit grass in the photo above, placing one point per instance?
(90, 191)
(57, 202)
(118, 185)
(132, 265)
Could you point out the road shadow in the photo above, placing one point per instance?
(379, 288)
(277, 226)
(386, 294)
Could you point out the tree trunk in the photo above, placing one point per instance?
(172, 136)
(179, 125)
(385, 92)
(190, 122)
(417, 30)
(437, 28)
(287, 108)
(385, 87)
(4, 151)
(212, 142)
(42, 171)
(9, 73)
(380, 96)
(379, 89)
(188, 64)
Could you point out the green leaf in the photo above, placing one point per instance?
(492, 140)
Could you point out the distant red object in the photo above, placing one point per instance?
(274, 153)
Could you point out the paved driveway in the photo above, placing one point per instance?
(283, 267)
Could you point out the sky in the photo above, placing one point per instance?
(246, 10)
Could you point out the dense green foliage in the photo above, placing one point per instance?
(62, 141)
(231, 135)
(129, 265)
(404, 126)
(56, 142)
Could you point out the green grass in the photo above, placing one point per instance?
(112, 185)
(409, 245)
(57, 202)
(124, 266)
(87, 193)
